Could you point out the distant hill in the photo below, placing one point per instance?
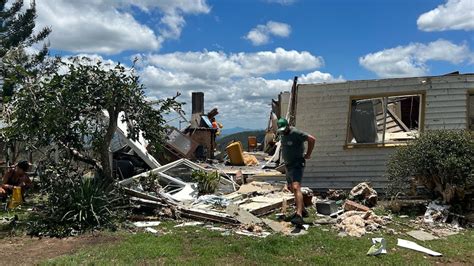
(240, 136)
(229, 131)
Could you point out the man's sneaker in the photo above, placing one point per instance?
(289, 218)
(305, 213)
(297, 220)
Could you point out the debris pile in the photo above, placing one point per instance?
(358, 223)
(365, 194)
(171, 191)
(350, 217)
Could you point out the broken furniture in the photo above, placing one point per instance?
(180, 145)
(235, 153)
(252, 143)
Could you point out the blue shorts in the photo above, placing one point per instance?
(294, 174)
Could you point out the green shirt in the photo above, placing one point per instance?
(293, 147)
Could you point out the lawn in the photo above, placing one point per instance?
(197, 245)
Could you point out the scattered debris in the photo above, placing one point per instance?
(350, 205)
(379, 246)
(364, 193)
(336, 214)
(213, 200)
(151, 230)
(189, 224)
(414, 246)
(256, 187)
(242, 215)
(357, 223)
(326, 207)
(335, 194)
(248, 233)
(325, 221)
(436, 212)
(147, 223)
(421, 235)
(279, 227)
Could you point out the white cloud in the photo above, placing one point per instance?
(282, 2)
(109, 27)
(261, 33)
(235, 83)
(410, 60)
(211, 64)
(319, 77)
(454, 15)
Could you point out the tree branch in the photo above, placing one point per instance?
(81, 157)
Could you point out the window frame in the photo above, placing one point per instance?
(421, 93)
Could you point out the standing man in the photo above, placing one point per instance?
(292, 141)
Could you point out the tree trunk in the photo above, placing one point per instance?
(105, 149)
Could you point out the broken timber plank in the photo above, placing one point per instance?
(280, 227)
(241, 215)
(262, 205)
(207, 215)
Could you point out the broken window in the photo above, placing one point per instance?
(382, 120)
(470, 119)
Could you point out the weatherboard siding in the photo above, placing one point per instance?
(323, 111)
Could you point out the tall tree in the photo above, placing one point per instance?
(67, 109)
(17, 26)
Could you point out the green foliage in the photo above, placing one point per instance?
(150, 183)
(441, 160)
(67, 107)
(16, 34)
(76, 202)
(207, 181)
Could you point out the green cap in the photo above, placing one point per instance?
(282, 123)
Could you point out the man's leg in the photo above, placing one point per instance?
(296, 187)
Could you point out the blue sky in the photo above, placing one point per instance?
(243, 53)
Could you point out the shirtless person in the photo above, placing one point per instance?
(15, 177)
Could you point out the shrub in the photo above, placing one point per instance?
(441, 160)
(207, 181)
(75, 203)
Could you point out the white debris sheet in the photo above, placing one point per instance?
(414, 246)
(147, 223)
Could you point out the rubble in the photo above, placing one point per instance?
(414, 246)
(335, 194)
(358, 223)
(364, 193)
(147, 223)
(170, 190)
(326, 207)
(379, 246)
(350, 205)
(421, 235)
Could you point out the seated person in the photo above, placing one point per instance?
(15, 177)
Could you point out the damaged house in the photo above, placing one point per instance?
(358, 124)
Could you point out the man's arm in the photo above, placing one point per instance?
(311, 141)
(26, 184)
(5, 179)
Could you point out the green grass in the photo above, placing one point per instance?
(199, 246)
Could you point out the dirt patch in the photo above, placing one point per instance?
(27, 250)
